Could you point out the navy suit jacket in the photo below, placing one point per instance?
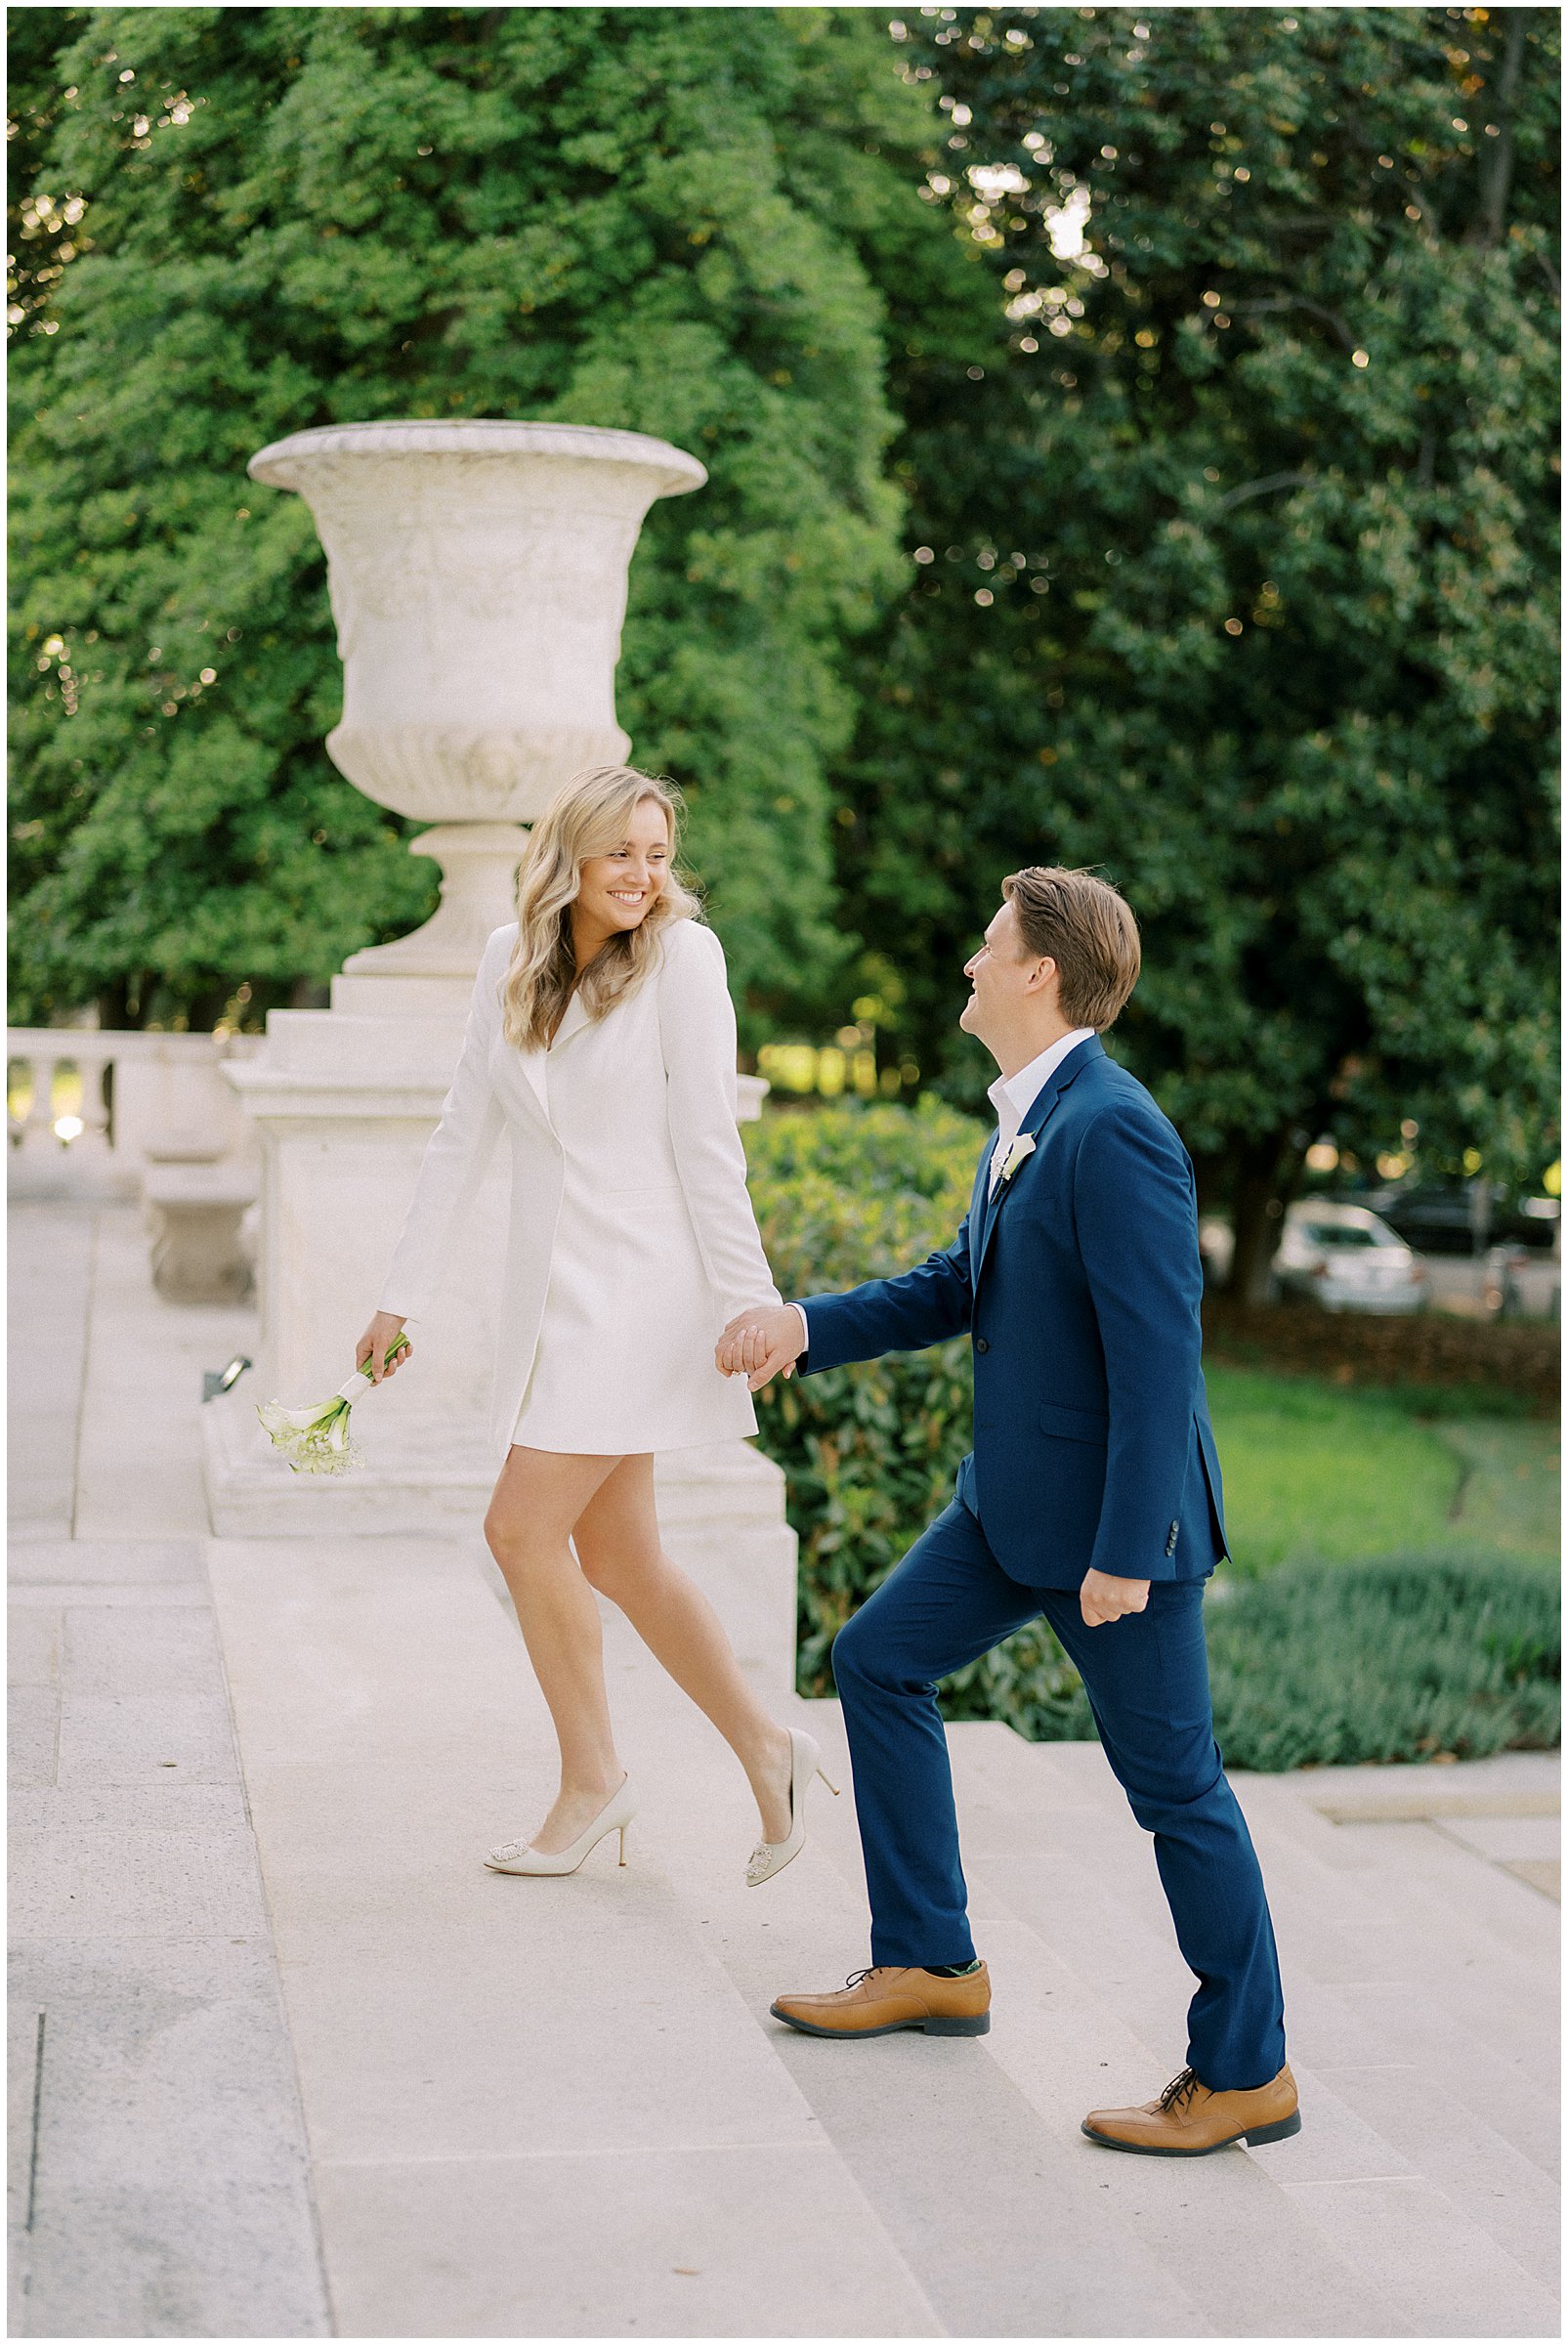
(1078, 1283)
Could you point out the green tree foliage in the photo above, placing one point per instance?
(236, 222)
(1237, 578)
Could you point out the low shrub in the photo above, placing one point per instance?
(1436, 1362)
(878, 1151)
(870, 1452)
(1404, 1657)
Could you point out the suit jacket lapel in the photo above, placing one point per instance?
(980, 1209)
(1041, 1109)
(531, 1065)
(573, 1021)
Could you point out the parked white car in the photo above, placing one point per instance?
(1344, 1258)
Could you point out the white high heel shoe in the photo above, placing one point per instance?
(518, 1857)
(771, 1856)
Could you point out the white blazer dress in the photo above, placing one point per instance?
(631, 1236)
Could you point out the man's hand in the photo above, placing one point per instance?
(1102, 1598)
(757, 1343)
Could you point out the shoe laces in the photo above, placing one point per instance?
(869, 1972)
(1179, 2090)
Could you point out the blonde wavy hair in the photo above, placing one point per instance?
(589, 815)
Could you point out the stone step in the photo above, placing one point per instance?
(1410, 1951)
(952, 2154)
(536, 2107)
(1075, 2032)
(1090, 2001)
(730, 1483)
(161, 2177)
(49, 1287)
(1477, 2179)
(138, 1459)
(1010, 2220)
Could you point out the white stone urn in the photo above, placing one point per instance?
(478, 575)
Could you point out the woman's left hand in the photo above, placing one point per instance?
(760, 1344)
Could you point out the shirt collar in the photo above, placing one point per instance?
(1013, 1097)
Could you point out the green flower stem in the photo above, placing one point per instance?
(389, 1354)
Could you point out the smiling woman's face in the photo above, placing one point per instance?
(616, 891)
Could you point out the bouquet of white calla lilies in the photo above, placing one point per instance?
(316, 1440)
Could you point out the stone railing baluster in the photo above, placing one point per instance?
(94, 1111)
(16, 1120)
(38, 1123)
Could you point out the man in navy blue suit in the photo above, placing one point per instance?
(1091, 1496)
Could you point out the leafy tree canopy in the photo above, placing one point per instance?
(1211, 355)
(1237, 580)
(237, 222)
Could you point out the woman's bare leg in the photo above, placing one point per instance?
(617, 1545)
(538, 1498)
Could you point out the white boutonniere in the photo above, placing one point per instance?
(1022, 1146)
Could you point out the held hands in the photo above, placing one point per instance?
(1102, 1599)
(758, 1344)
(377, 1340)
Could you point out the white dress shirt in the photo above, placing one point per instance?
(1012, 1096)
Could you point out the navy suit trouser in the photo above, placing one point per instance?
(1146, 1679)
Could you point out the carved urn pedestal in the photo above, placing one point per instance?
(478, 577)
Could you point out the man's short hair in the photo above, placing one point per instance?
(1083, 925)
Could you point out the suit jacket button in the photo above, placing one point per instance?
(981, 1343)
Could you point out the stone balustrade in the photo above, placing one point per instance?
(154, 1120)
(42, 1051)
(164, 1100)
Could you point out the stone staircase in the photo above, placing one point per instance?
(561, 2109)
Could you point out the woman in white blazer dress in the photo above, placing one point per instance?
(631, 1243)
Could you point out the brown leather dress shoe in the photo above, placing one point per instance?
(878, 2001)
(1188, 2120)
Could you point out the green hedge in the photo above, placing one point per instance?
(1407, 1657)
(870, 1452)
(1447, 1366)
(1401, 1658)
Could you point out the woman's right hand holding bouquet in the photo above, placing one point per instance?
(372, 1353)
